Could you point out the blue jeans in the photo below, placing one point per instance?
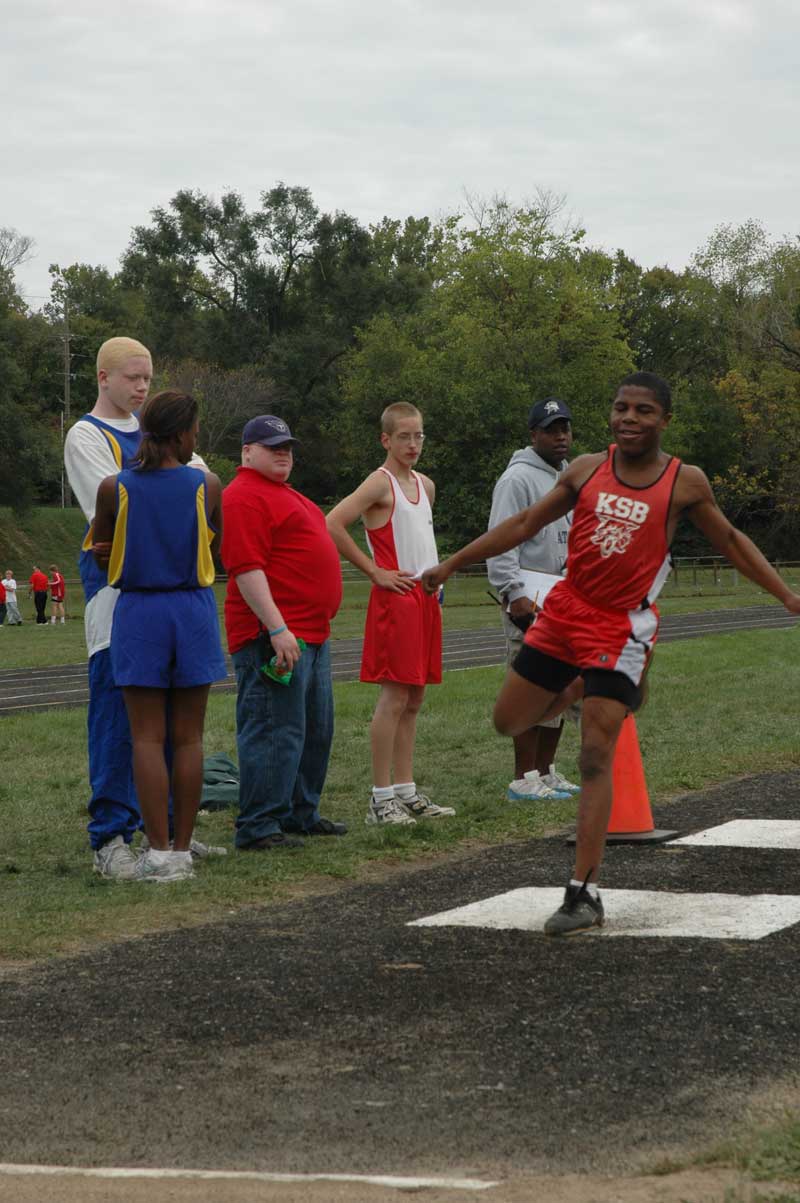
(283, 735)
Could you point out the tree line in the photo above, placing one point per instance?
(473, 317)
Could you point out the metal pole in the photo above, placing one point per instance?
(66, 491)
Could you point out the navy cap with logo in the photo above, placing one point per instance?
(267, 430)
(545, 412)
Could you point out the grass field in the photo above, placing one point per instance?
(467, 606)
(717, 711)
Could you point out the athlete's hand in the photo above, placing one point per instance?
(286, 651)
(396, 580)
(102, 553)
(523, 607)
(434, 578)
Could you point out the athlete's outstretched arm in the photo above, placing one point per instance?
(515, 530)
(736, 546)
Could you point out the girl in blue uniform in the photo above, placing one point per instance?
(153, 527)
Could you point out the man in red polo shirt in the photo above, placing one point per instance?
(38, 587)
(284, 585)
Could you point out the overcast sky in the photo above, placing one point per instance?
(657, 119)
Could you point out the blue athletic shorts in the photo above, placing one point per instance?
(166, 640)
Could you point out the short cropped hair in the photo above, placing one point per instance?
(393, 413)
(658, 387)
(115, 351)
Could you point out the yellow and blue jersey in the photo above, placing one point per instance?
(162, 534)
(124, 447)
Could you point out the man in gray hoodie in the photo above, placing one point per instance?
(531, 473)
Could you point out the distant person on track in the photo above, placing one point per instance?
(403, 636)
(530, 475)
(13, 616)
(38, 586)
(596, 632)
(153, 528)
(58, 591)
(284, 585)
(101, 443)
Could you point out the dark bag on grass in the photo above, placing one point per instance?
(220, 783)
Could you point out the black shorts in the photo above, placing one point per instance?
(554, 675)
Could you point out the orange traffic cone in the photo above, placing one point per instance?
(631, 819)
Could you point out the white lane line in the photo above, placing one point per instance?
(643, 913)
(747, 833)
(398, 1183)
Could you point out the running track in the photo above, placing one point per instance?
(65, 685)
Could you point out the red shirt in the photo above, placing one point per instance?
(273, 527)
(57, 586)
(2, 593)
(38, 582)
(618, 555)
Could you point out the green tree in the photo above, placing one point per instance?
(520, 309)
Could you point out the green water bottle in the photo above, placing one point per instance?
(270, 670)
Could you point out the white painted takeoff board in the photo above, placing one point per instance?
(747, 833)
(635, 913)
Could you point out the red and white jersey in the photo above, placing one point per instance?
(618, 554)
(406, 541)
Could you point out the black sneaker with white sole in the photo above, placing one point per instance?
(579, 912)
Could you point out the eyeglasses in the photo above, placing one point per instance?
(410, 438)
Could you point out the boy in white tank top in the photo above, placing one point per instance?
(403, 634)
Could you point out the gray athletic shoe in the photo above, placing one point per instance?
(578, 912)
(116, 860)
(421, 807)
(388, 813)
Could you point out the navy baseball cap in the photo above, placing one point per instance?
(267, 430)
(547, 411)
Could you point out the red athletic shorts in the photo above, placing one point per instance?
(403, 638)
(569, 628)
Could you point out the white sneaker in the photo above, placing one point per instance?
(116, 859)
(175, 868)
(421, 807)
(198, 850)
(530, 788)
(201, 851)
(558, 782)
(386, 813)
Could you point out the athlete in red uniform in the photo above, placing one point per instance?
(403, 634)
(600, 624)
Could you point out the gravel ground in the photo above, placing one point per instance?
(325, 1034)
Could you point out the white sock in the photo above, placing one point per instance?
(181, 858)
(159, 856)
(382, 793)
(591, 887)
(53, 621)
(405, 791)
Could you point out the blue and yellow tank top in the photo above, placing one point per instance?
(162, 533)
(124, 447)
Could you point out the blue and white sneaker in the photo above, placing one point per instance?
(532, 788)
(558, 781)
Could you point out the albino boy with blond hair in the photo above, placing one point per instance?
(403, 635)
(101, 444)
